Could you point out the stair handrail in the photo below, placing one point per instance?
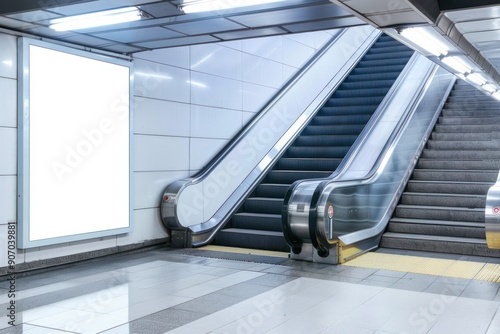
(324, 228)
(169, 208)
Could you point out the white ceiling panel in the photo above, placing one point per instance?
(227, 36)
(485, 36)
(397, 18)
(479, 25)
(164, 25)
(178, 42)
(474, 14)
(139, 35)
(287, 16)
(206, 26)
(376, 6)
(324, 24)
(95, 6)
(35, 16)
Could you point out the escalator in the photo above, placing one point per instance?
(319, 149)
(443, 206)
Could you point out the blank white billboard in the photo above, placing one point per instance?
(74, 144)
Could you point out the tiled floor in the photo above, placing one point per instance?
(192, 291)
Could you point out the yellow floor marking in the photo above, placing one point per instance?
(431, 266)
(489, 272)
(244, 251)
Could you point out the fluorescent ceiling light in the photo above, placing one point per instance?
(215, 5)
(420, 37)
(457, 64)
(98, 19)
(489, 88)
(496, 96)
(476, 78)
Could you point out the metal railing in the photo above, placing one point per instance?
(345, 215)
(492, 216)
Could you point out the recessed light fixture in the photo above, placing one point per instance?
(97, 19)
(489, 88)
(215, 5)
(421, 37)
(476, 78)
(457, 64)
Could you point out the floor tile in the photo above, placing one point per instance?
(164, 291)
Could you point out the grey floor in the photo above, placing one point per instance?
(192, 291)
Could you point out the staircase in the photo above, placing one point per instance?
(319, 149)
(443, 207)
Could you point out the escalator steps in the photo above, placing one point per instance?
(320, 148)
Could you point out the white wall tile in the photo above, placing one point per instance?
(149, 187)
(8, 194)
(213, 91)
(8, 151)
(8, 96)
(296, 54)
(267, 47)
(288, 72)
(236, 45)
(307, 38)
(159, 153)
(256, 96)
(203, 150)
(178, 56)
(208, 122)
(147, 226)
(161, 117)
(160, 81)
(3, 242)
(8, 56)
(217, 60)
(262, 71)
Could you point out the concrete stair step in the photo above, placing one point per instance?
(444, 200)
(437, 244)
(455, 175)
(437, 228)
(439, 213)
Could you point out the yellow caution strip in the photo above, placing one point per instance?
(430, 266)
(480, 271)
(490, 273)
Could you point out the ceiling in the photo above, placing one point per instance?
(471, 26)
(167, 26)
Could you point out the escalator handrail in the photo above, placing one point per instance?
(343, 166)
(178, 186)
(338, 177)
(207, 235)
(357, 236)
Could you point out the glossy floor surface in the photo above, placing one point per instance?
(196, 291)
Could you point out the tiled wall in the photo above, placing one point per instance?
(8, 137)
(189, 102)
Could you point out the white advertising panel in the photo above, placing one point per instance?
(74, 144)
